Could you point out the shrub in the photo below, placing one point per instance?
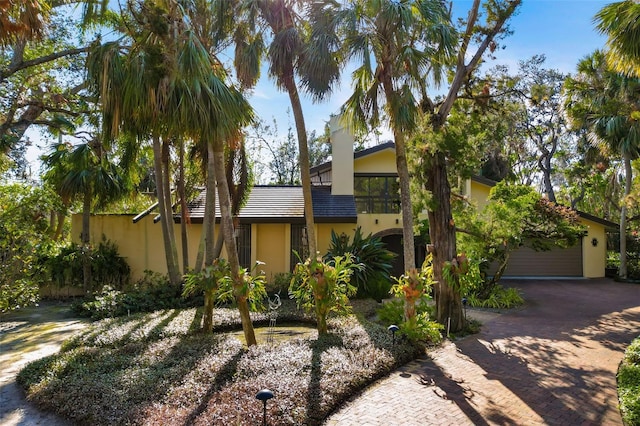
(107, 266)
(629, 384)
(499, 298)
(150, 293)
(373, 279)
(279, 284)
(392, 312)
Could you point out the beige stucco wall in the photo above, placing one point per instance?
(594, 258)
(379, 162)
(139, 243)
(384, 221)
(272, 246)
(478, 193)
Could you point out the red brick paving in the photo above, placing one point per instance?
(552, 362)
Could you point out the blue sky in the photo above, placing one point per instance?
(563, 30)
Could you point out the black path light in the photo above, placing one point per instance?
(393, 328)
(464, 303)
(264, 395)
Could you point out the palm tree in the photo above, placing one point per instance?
(620, 21)
(172, 87)
(85, 171)
(295, 51)
(397, 45)
(605, 102)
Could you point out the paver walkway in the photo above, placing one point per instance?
(27, 335)
(552, 362)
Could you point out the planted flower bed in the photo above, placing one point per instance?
(155, 369)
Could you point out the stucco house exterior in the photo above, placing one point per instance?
(353, 189)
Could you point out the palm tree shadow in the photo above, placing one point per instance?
(446, 387)
(314, 393)
(224, 376)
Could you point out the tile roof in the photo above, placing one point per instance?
(285, 204)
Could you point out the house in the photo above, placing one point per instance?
(352, 190)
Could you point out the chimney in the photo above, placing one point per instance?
(342, 141)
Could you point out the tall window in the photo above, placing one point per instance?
(298, 243)
(243, 242)
(377, 194)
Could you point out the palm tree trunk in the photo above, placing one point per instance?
(628, 178)
(86, 240)
(305, 173)
(403, 175)
(226, 221)
(442, 231)
(166, 220)
(184, 214)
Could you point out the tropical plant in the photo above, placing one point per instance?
(413, 287)
(620, 21)
(373, 279)
(325, 287)
(85, 172)
(207, 281)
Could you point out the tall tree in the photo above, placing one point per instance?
(170, 87)
(435, 157)
(620, 21)
(607, 104)
(298, 54)
(40, 82)
(397, 45)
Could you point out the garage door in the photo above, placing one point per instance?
(557, 262)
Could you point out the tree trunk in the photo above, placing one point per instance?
(86, 240)
(403, 175)
(305, 172)
(184, 213)
(628, 178)
(166, 219)
(442, 231)
(226, 221)
(207, 324)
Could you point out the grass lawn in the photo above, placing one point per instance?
(156, 369)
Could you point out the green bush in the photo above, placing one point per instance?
(373, 279)
(421, 328)
(392, 311)
(152, 292)
(279, 284)
(499, 298)
(108, 268)
(629, 384)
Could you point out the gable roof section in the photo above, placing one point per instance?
(358, 154)
(285, 204)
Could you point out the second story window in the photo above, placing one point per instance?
(377, 194)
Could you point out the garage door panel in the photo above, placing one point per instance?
(555, 263)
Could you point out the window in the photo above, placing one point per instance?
(377, 194)
(298, 243)
(243, 233)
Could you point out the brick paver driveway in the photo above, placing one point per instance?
(552, 362)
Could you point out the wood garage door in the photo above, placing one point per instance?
(557, 262)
